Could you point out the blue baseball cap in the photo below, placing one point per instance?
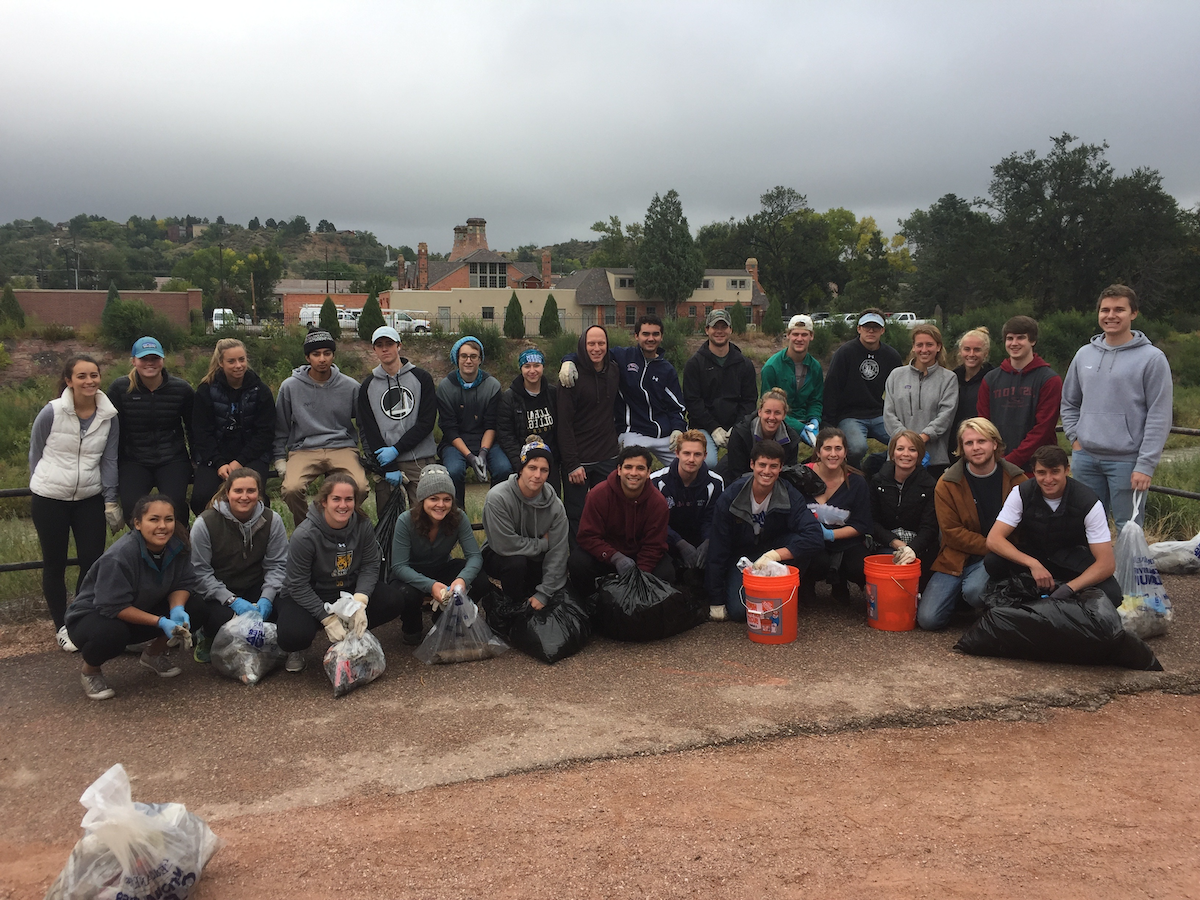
(147, 346)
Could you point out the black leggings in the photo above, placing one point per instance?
(519, 576)
(575, 495)
(172, 479)
(100, 638)
(849, 567)
(298, 627)
(207, 481)
(210, 615)
(55, 520)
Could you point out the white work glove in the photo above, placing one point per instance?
(622, 563)
(334, 629)
(769, 556)
(479, 465)
(114, 517)
(673, 440)
(281, 467)
(568, 374)
(702, 554)
(905, 556)
(358, 623)
(720, 437)
(442, 601)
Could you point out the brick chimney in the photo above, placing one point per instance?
(422, 266)
(752, 268)
(546, 268)
(459, 250)
(476, 235)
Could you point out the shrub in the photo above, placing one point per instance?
(10, 309)
(124, 321)
(514, 319)
(1183, 353)
(772, 323)
(1061, 334)
(494, 349)
(822, 343)
(5, 359)
(674, 344)
(898, 337)
(550, 326)
(370, 318)
(328, 320)
(55, 333)
(113, 294)
(737, 318)
(563, 343)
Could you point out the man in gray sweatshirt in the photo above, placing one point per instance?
(314, 425)
(1116, 407)
(526, 526)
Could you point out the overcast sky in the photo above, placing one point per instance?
(542, 117)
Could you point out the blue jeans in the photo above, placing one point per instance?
(857, 432)
(1109, 478)
(735, 600)
(710, 457)
(498, 465)
(941, 595)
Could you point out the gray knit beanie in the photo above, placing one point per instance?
(434, 479)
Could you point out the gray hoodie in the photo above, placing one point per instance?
(310, 415)
(922, 403)
(516, 525)
(1116, 401)
(274, 563)
(324, 561)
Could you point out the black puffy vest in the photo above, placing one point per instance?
(1057, 536)
(234, 432)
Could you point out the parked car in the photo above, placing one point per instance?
(310, 316)
(402, 321)
(909, 319)
(820, 319)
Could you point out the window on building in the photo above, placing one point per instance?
(691, 312)
(489, 275)
(489, 313)
(707, 310)
(610, 315)
(651, 310)
(738, 284)
(706, 284)
(630, 315)
(625, 282)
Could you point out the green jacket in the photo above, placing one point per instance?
(779, 371)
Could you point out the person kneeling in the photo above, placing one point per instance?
(526, 527)
(763, 519)
(691, 490)
(624, 524)
(1062, 539)
(332, 551)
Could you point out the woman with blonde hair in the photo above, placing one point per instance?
(923, 396)
(902, 505)
(233, 421)
(973, 349)
(766, 424)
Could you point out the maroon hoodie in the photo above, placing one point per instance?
(612, 523)
(1023, 406)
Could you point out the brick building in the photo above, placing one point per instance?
(76, 308)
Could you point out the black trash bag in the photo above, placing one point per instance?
(803, 479)
(385, 528)
(560, 629)
(1084, 630)
(637, 606)
(1011, 591)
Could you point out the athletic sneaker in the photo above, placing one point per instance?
(718, 613)
(295, 661)
(64, 640)
(160, 665)
(96, 687)
(412, 638)
(139, 647)
(202, 652)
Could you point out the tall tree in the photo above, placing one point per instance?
(737, 318)
(328, 319)
(550, 326)
(370, 318)
(669, 265)
(514, 319)
(10, 309)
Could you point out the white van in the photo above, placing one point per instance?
(223, 318)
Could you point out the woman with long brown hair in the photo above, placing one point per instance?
(845, 545)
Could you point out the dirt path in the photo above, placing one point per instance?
(1079, 805)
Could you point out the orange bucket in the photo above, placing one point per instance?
(891, 593)
(771, 606)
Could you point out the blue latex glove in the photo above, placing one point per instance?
(264, 607)
(240, 606)
(167, 627)
(180, 617)
(814, 424)
(925, 459)
(386, 455)
(393, 478)
(827, 533)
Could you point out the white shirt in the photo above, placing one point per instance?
(1095, 522)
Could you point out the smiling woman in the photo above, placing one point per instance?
(923, 397)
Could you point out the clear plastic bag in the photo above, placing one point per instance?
(133, 851)
(829, 516)
(353, 661)
(769, 569)
(1146, 609)
(1177, 557)
(459, 635)
(246, 648)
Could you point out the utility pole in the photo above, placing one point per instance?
(326, 268)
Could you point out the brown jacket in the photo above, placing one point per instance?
(959, 519)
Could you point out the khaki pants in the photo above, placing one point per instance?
(305, 466)
(412, 470)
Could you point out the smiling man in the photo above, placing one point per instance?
(719, 385)
(1116, 406)
(854, 388)
(798, 373)
(691, 491)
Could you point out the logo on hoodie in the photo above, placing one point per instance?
(397, 402)
(342, 563)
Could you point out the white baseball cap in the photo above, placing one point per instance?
(385, 331)
(800, 321)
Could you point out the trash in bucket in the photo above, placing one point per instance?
(771, 606)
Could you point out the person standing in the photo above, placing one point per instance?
(233, 421)
(314, 425)
(1022, 396)
(1116, 407)
(154, 408)
(922, 397)
(468, 403)
(73, 480)
(691, 490)
(719, 385)
(798, 373)
(530, 407)
(973, 349)
(397, 409)
(854, 387)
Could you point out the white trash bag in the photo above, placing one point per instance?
(1146, 609)
(133, 851)
(1177, 557)
(246, 648)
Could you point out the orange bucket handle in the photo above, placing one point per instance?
(785, 600)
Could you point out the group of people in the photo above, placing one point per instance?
(616, 466)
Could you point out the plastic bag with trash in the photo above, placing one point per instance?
(1177, 557)
(559, 629)
(829, 516)
(769, 569)
(133, 851)
(638, 606)
(246, 648)
(1146, 608)
(459, 635)
(352, 661)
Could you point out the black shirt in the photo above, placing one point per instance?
(989, 498)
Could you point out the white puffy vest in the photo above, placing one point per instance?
(70, 466)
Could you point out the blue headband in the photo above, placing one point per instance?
(531, 355)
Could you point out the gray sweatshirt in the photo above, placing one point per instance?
(1116, 401)
(128, 575)
(516, 526)
(310, 415)
(922, 403)
(324, 561)
(274, 563)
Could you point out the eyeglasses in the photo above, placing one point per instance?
(468, 357)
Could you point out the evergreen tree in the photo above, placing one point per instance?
(10, 309)
(514, 319)
(370, 318)
(669, 264)
(737, 318)
(772, 323)
(329, 319)
(550, 326)
(112, 293)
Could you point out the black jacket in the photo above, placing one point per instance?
(968, 397)
(156, 426)
(586, 424)
(521, 415)
(742, 439)
(910, 506)
(719, 396)
(233, 424)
